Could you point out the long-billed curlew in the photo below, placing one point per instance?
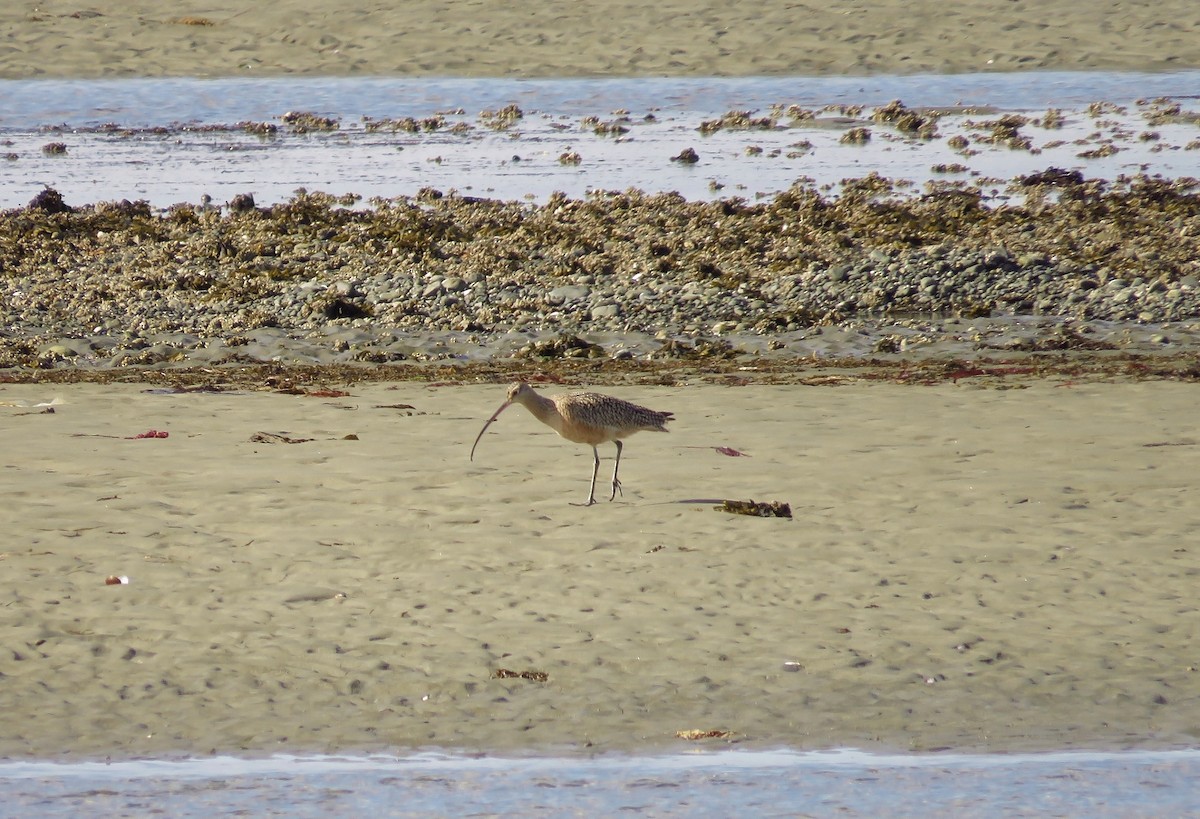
(585, 418)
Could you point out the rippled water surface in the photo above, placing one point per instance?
(844, 783)
(156, 102)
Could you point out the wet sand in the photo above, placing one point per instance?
(223, 38)
(969, 568)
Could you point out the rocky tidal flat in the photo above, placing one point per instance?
(115, 284)
(1045, 263)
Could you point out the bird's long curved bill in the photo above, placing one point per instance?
(495, 415)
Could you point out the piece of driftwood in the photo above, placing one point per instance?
(771, 509)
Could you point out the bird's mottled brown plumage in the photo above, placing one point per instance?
(586, 418)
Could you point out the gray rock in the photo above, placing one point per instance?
(606, 311)
(568, 293)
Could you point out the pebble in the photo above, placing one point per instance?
(568, 293)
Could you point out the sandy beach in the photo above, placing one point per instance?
(55, 38)
(966, 568)
(1001, 559)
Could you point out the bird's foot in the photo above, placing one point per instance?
(590, 502)
(616, 488)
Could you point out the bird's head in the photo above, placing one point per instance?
(519, 392)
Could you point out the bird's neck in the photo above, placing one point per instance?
(544, 410)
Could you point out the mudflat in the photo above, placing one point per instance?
(487, 38)
(967, 568)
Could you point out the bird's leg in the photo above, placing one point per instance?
(616, 483)
(595, 470)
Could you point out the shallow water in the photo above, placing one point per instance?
(149, 102)
(782, 783)
(144, 139)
